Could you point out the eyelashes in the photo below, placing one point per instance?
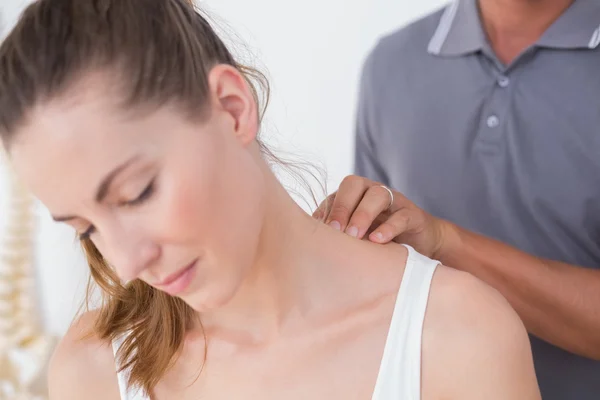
(144, 196)
(86, 235)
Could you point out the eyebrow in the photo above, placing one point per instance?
(103, 188)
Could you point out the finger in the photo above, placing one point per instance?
(378, 221)
(322, 211)
(397, 224)
(349, 195)
(375, 202)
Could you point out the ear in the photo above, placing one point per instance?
(233, 96)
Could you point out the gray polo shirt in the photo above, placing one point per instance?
(512, 152)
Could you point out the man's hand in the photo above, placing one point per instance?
(361, 208)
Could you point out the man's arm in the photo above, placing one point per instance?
(557, 302)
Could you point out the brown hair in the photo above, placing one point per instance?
(160, 51)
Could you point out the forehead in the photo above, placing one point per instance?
(69, 144)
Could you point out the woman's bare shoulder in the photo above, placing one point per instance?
(474, 343)
(459, 301)
(82, 365)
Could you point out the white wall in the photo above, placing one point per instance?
(313, 51)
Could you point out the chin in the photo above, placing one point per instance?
(204, 301)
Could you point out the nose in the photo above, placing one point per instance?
(131, 254)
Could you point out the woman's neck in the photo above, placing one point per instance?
(292, 275)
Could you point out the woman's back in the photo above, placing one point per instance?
(473, 347)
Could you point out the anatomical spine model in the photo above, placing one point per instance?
(24, 348)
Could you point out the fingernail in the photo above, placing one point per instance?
(352, 231)
(377, 236)
(335, 225)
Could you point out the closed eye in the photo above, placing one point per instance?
(86, 235)
(145, 195)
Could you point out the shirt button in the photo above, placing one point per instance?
(493, 121)
(503, 81)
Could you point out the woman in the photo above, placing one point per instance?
(133, 123)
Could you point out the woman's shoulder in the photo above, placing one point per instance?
(470, 326)
(83, 365)
(458, 297)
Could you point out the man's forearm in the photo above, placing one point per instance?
(558, 302)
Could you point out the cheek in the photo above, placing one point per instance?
(196, 199)
(185, 209)
(218, 206)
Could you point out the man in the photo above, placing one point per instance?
(486, 115)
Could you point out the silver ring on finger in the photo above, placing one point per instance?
(391, 196)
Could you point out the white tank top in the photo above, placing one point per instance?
(399, 375)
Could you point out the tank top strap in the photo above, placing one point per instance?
(400, 371)
(127, 393)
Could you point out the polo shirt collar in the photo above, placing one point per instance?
(460, 31)
(577, 28)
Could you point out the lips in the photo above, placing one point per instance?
(179, 281)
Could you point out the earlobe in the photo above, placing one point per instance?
(233, 96)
